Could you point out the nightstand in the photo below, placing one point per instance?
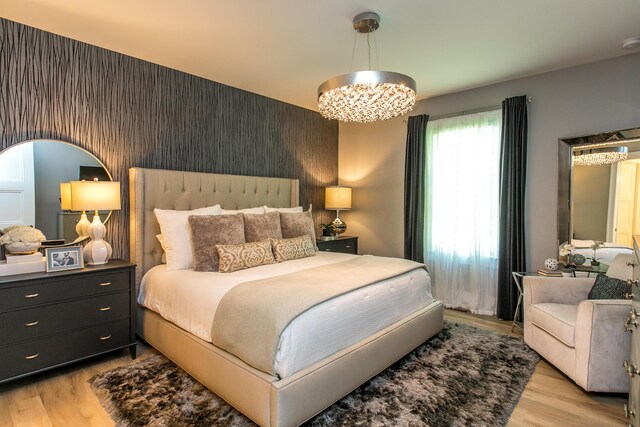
(344, 244)
(53, 319)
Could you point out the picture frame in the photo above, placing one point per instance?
(64, 258)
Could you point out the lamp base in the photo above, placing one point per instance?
(339, 226)
(97, 251)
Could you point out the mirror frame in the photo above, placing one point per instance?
(565, 150)
(78, 240)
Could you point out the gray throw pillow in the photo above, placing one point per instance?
(207, 231)
(298, 224)
(262, 226)
(606, 287)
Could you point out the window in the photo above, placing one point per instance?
(462, 209)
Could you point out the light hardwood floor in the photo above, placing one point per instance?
(64, 398)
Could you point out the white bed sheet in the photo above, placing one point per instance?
(189, 299)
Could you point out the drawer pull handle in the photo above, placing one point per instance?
(31, 295)
(33, 356)
(105, 284)
(105, 308)
(347, 246)
(31, 324)
(630, 368)
(106, 337)
(628, 413)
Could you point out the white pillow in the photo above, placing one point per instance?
(258, 210)
(288, 210)
(176, 234)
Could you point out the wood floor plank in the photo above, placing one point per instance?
(550, 399)
(29, 412)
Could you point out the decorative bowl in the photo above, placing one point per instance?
(22, 248)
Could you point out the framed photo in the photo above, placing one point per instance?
(64, 258)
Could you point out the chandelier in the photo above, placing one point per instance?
(599, 156)
(366, 96)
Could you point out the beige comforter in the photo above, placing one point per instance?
(252, 316)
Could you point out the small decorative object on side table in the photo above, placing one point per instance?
(53, 319)
(344, 244)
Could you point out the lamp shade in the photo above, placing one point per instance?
(337, 198)
(65, 196)
(95, 195)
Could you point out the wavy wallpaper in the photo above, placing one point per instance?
(129, 112)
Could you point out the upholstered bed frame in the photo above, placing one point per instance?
(267, 400)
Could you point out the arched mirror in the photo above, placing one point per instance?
(599, 192)
(30, 177)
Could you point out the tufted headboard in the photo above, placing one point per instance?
(164, 189)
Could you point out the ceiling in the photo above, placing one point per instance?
(285, 49)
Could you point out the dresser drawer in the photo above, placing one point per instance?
(347, 246)
(53, 350)
(49, 291)
(22, 325)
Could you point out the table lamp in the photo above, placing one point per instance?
(82, 227)
(96, 196)
(339, 198)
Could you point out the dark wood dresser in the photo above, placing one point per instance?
(52, 319)
(344, 244)
(632, 366)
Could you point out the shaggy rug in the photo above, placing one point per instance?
(461, 376)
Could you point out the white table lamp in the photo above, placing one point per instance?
(338, 198)
(96, 196)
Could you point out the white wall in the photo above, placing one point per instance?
(587, 99)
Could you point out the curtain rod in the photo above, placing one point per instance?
(467, 112)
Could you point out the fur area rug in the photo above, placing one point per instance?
(461, 376)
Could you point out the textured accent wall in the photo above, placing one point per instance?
(129, 112)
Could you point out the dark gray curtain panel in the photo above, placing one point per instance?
(414, 188)
(513, 172)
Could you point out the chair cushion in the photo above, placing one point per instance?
(558, 320)
(606, 287)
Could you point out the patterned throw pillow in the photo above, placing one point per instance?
(262, 226)
(295, 248)
(208, 231)
(239, 257)
(606, 287)
(297, 224)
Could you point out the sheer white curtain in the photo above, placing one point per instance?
(461, 214)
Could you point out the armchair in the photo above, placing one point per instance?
(583, 338)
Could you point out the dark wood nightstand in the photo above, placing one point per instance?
(344, 244)
(53, 319)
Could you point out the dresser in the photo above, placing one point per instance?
(632, 365)
(344, 244)
(52, 319)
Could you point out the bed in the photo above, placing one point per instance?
(286, 398)
(605, 253)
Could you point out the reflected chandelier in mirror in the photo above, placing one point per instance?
(30, 176)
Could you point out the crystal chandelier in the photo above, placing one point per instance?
(599, 156)
(366, 96)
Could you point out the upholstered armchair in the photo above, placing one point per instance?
(583, 338)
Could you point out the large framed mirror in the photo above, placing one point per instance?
(599, 192)
(30, 177)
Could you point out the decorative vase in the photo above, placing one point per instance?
(22, 248)
(595, 265)
(578, 259)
